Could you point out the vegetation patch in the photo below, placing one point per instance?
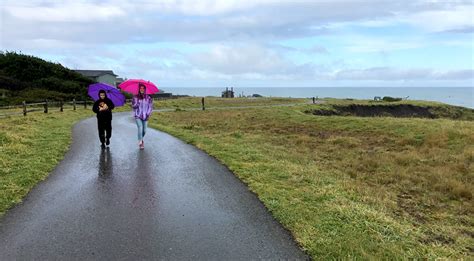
(395, 110)
(213, 102)
(348, 187)
(31, 79)
(31, 147)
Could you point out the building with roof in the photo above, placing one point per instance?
(103, 76)
(228, 93)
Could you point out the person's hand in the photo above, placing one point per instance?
(105, 107)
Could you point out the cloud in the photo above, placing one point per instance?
(366, 44)
(396, 74)
(208, 20)
(65, 12)
(454, 18)
(240, 59)
(462, 30)
(318, 49)
(240, 39)
(455, 75)
(161, 53)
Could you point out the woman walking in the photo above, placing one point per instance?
(103, 107)
(142, 105)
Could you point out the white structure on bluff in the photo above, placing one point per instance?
(103, 76)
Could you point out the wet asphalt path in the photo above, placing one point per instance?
(170, 201)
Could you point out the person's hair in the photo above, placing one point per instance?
(141, 96)
(102, 91)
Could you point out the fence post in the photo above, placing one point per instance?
(74, 104)
(61, 106)
(85, 104)
(24, 108)
(202, 101)
(46, 106)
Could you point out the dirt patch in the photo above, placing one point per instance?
(399, 110)
(470, 250)
(407, 204)
(396, 110)
(324, 112)
(437, 239)
(468, 233)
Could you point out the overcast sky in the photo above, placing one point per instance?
(252, 43)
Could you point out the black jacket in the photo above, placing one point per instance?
(103, 115)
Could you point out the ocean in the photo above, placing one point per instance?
(460, 96)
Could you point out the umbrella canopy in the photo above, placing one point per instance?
(112, 93)
(131, 86)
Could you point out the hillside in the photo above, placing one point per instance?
(29, 78)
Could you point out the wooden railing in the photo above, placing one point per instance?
(45, 106)
(41, 106)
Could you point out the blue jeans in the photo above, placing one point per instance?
(141, 124)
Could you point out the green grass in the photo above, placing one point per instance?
(348, 187)
(195, 102)
(31, 146)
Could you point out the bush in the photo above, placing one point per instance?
(21, 74)
(9, 83)
(55, 84)
(391, 99)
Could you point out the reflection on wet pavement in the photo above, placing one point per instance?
(105, 163)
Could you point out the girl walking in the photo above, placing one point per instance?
(142, 105)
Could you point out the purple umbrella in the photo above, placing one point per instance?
(112, 93)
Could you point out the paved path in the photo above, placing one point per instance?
(170, 201)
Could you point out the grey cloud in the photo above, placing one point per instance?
(273, 21)
(455, 75)
(464, 30)
(240, 60)
(81, 41)
(318, 49)
(395, 74)
(162, 53)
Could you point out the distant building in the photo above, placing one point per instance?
(228, 93)
(119, 81)
(103, 76)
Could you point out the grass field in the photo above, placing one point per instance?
(195, 102)
(348, 187)
(31, 146)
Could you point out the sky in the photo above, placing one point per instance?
(252, 43)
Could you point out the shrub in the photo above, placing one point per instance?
(391, 99)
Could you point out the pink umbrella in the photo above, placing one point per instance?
(131, 86)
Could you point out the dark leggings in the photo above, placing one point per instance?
(105, 129)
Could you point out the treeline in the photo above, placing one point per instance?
(31, 79)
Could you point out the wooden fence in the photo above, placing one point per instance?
(45, 106)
